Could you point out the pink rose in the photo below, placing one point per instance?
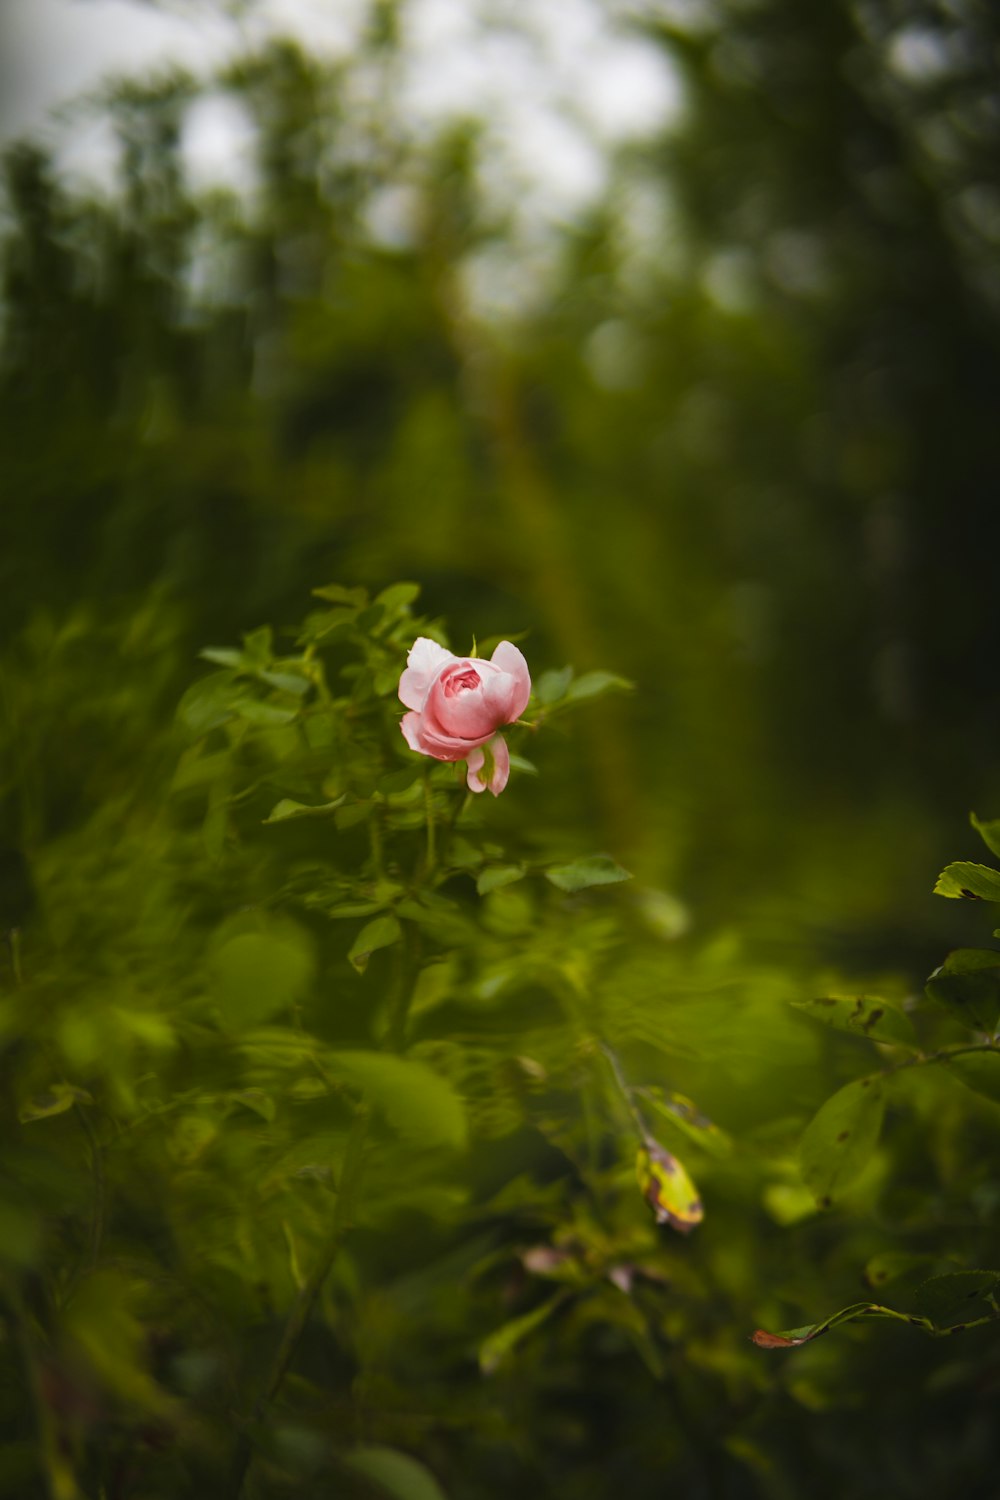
(459, 702)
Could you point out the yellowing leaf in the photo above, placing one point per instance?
(969, 881)
(667, 1188)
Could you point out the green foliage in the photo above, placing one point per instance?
(315, 1051)
(309, 1118)
(839, 1140)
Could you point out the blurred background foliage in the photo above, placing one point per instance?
(730, 433)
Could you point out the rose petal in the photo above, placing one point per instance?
(465, 712)
(501, 765)
(509, 659)
(425, 660)
(436, 741)
(474, 762)
(500, 695)
(410, 725)
(420, 736)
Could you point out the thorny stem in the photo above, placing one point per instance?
(299, 1316)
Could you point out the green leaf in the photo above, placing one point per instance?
(596, 685)
(397, 1474)
(256, 1100)
(398, 597)
(979, 1071)
(56, 1101)
(552, 686)
(335, 593)
(380, 933)
(861, 1015)
(989, 832)
(287, 809)
(258, 645)
(258, 974)
(420, 1103)
(598, 869)
(287, 682)
(222, 656)
(501, 1344)
(688, 1120)
(840, 1138)
(857, 1312)
(969, 881)
(968, 984)
(256, 711)
(955, 1298)
(207, 703)
(497, 876)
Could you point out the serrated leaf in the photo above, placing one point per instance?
(968, 985)
(956, 1297)
(860, 1015)
(989, 832)
(969, 881)
(840, 1138)
(396, 1474)
(287, 809)
(597, 869)
(495, 877)
(667, 1188)
(420, 1103)
(380, 933)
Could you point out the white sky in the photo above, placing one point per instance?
(557, 83)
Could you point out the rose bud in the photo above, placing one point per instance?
(457, 705)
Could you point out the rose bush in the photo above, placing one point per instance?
(457, 704)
